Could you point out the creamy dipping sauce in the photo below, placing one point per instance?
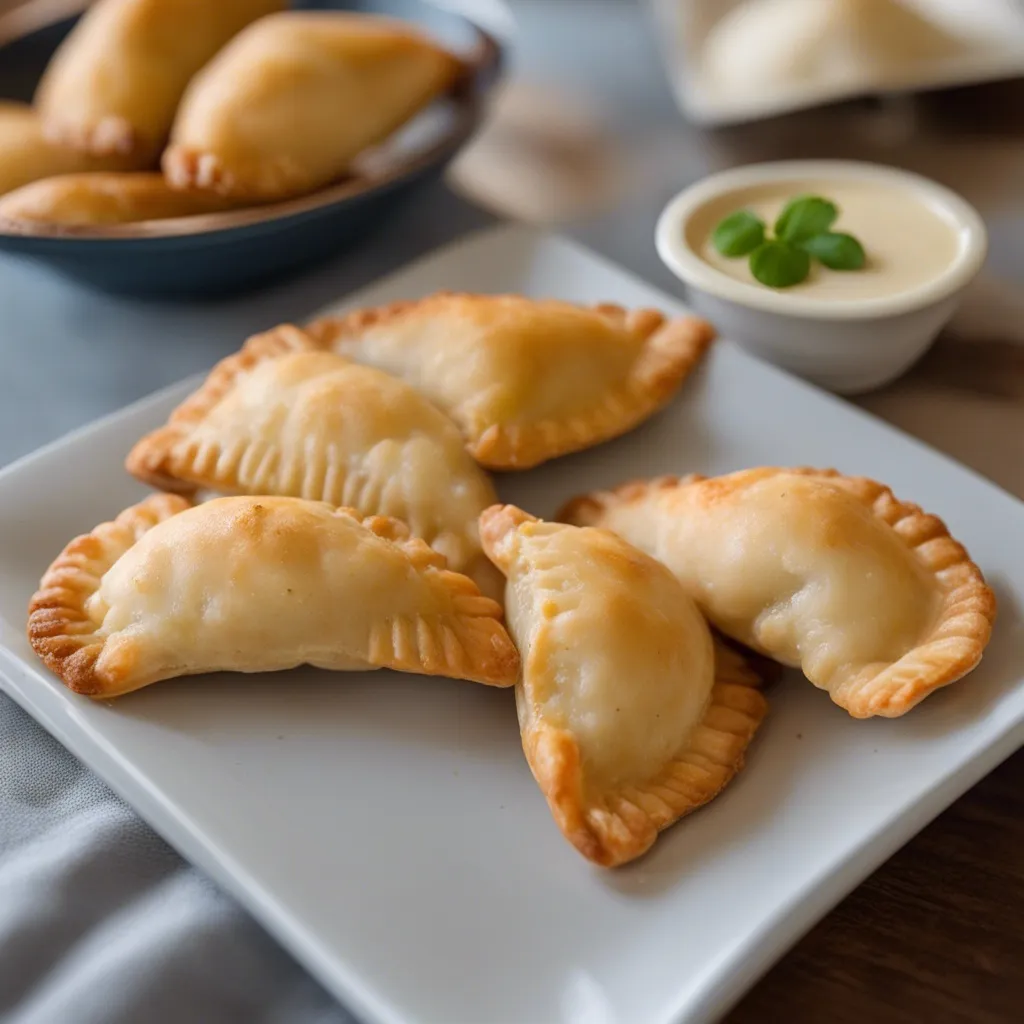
(907, 242)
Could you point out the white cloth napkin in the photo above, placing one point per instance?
(736, 60)
(102, 923)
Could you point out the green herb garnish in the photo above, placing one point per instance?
(837, 251)
(779, 265)
(802, 232)
(739, 234)
(805, 217)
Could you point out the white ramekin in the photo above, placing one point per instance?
(847, 346)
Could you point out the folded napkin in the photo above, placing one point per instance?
(102, 923)
(734, 60)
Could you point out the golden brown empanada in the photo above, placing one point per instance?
(251, 584)
(867, 594)
(284, 417)
(626, 722)
(526, 380)
(114, 84)
(26, 155)
(288, 105)
(84, 200)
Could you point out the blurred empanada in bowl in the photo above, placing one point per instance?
(93, 199)
(285, 108)
(114, 84)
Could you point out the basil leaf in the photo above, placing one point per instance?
(779, 265)
(836, 250)
(739, 234)
(805, 217)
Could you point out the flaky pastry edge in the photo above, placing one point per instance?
(153, 460)
(626, 823)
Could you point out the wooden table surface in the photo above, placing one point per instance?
(935, 935)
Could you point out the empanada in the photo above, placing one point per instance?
(626, 723)
(526, 380)
(867, 594)
(284, 417)
(84, 200)
(26, 155)
(249, 584)
(288, 105)
(114, 84)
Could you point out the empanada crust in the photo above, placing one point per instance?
(526, 380)
(956, 609)
(253, 584)
(114, 84)
(283, 417)
(100, 198)
(26, 155)
(631, 718)
(287, 106)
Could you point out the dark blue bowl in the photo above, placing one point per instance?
(217, 254)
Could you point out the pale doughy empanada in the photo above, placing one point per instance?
(248, 584)
(867, 594)
(284, 417)
(26, 155)
(288, 105)
(94, 199)
(114, 84)
(526, 380)
(626, 723)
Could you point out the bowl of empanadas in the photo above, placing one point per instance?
(168, 147)
(326, 497)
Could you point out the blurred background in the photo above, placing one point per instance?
(599, 124)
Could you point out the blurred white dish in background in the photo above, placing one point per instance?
(739, 60)
(788, 43)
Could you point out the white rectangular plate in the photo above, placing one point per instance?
(386, 827)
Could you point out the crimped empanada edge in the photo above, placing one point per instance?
(473, 644)
(59, 628)
(188, 167)
(627, 822)
(152, 460)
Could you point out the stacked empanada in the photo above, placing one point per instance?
(335, 463)
(327, 492)
(332, 506)
(241, 102)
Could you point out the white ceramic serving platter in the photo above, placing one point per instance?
(386, 828)
(992, 32)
